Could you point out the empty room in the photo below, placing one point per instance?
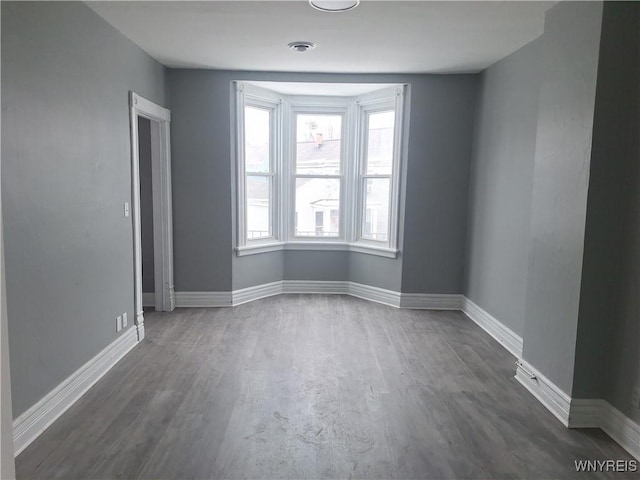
(320, 239)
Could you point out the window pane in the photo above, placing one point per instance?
(317, 207)
(256, 139)
(380, 143)
(258, 207)
(318, 144)
(375, 222)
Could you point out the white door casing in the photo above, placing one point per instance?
(162, 218)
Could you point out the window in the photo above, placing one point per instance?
(258, 169)
(376, 172)
(259, 172)
(318, 172)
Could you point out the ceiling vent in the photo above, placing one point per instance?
(302, 46)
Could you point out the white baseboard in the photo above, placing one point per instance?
(203, 299)
(550, 395)
(28, 426)
(140, 326)
(598, 413)
(622, 429)
(573, 413)
(430, 301)
(367, 292)
(507, 337)
(244, 295)
(312, 286)
(581, 413)
(172, 299)
(374, 294)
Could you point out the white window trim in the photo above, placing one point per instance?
(379, 102)
(354, 110)
(329, 106)
(248, 95)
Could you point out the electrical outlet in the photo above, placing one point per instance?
(124, 320)
(635, 397)
(118, 323)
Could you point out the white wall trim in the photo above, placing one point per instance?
(579, 412)
(549, 394)
(367, 292)
(28, 426)
(622, 429)
(203, 299)
(598, 413)
(572, 412)
(312, 286)
(244, 295)
(507, 337)
(374, 294)
(140, 326)
(172, 298)
(429, 301)
(160, 119)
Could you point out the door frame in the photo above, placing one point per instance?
(164, 293)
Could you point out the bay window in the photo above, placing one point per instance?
(318, 171)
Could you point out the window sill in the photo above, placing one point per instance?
(318, 246)
(262, 248)
(373, 250)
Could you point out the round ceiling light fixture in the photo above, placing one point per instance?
(302, 46)
(334, 5)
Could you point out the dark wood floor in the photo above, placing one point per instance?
(312, 386)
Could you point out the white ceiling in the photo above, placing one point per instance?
(377, 37)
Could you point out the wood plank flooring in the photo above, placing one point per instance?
(312, 386)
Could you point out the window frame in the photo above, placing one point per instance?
(378, 102)
(309, 105)
(354, 111)
(254, 97)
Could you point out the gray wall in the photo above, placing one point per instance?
(442, 120)
(441, 124)
(66, 167)
(7, 463)
(258, 269)
(146, 203)
(570, 47)
(554, 221)
(323, 266)
(501, 186)
(607, 354)
(201, 177)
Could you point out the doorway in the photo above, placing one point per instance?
(153, 228)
